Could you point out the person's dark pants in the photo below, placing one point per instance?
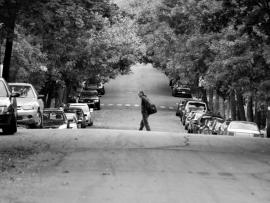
(144, 122)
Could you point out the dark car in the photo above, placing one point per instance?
(183, 92)
(99, 86)
(81, 116)
(8, 109)
(91, 97)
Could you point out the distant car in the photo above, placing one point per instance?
(243, 129)
(193, 123)
(213, 125)
(87, 111)
(72, 120)
(198, 125)
(90, 97)
(99, 86)
(81, 116)
(56, 119)
(182, 92)
(181, 106)
(195, 106)
(8, 109)
(30, 105)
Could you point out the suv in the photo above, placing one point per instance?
(30, 105)
(8, 109)
(91, 97)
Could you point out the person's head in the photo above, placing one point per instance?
(141, 93)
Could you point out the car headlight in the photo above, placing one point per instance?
(28, 107)
(96, 100)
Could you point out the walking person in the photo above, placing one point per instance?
(145, 103)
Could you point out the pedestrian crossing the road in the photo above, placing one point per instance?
(136, 106)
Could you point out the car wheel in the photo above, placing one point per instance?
(98, 106)
(12, 128)
(39, 123)
(91, 123)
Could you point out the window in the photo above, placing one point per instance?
(3, 90)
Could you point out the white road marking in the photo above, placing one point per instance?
(110, 104)
(136, 105)
(127, 105)
(163, 107)
(171, 107)
(102, 104)
(119, 104)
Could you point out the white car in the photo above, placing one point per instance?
(29, 104)
(243, 129)
(72, 120)
(88, 112)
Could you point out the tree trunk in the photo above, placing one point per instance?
(211, 97)
(10, 26)
(250, 116)
(240, 105)
(216, 104)
(204, 96)
(233, 105)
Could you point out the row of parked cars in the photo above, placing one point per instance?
(20, 103)
(196, 118)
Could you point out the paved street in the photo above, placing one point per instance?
(113, 162)
(121, 104)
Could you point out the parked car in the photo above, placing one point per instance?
(72, 120)
(56, 119)
(243, 129)
(99, 86)
(87, 111)
(213, 125)
(81, 116)
(29, 104)
(192, 125)
(183, 92)
(90, 97)
(195, 106)
(188, 118)
(199, 125)
(181, 106)
(8, 109)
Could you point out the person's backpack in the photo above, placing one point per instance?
(152, 108)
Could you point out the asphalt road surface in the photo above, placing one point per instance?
(119, 166)
(121, 104)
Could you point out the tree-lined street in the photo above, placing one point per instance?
(121, 104)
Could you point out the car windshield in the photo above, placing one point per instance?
(53, 118)
(244, 126)
(24, 91)
(89, 94)
(3, 90)
(85, 108)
